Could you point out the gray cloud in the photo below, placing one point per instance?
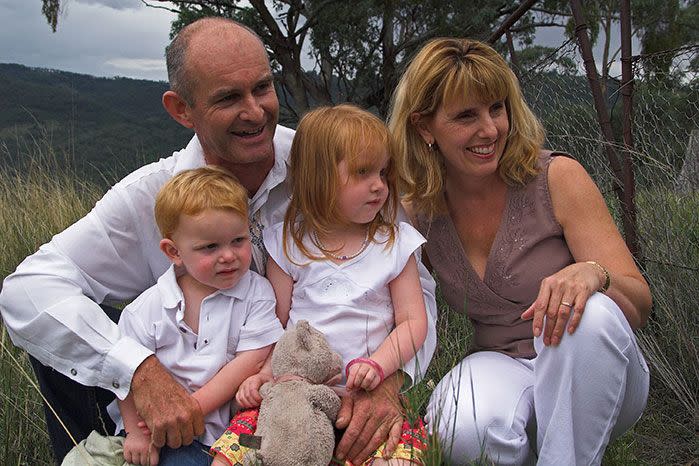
(115, 4)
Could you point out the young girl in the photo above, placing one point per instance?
(341, 263)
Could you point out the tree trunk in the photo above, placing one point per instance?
(628, 221)
(629, 204)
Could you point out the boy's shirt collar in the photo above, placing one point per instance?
(173, 299)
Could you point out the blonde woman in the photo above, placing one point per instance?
(522, 241)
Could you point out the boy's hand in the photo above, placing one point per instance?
(362, 375)
(248, 394)
(139, 450)
(144, 428)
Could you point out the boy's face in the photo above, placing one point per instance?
(213, 247)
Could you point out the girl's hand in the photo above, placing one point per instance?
(561, 295)
(362, 375)
(248, 394)
(138, 449)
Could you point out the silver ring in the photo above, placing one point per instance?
(564, 303)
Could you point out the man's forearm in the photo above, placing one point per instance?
(69, 332)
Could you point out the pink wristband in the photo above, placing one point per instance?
(375, 365)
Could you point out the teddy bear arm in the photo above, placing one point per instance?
(325, 399)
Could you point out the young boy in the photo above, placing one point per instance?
(209, 320)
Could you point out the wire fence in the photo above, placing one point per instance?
(665, 155)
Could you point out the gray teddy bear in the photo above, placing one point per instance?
(298, 410)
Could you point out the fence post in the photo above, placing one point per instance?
(629, 202)
(603, 118)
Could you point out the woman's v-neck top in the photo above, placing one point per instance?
(528, 246)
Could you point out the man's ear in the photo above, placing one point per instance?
(177, 108)
(418, 121)
(170, 249)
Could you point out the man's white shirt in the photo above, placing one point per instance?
(49, 304)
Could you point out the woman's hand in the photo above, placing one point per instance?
(248, 394)
(562, 297)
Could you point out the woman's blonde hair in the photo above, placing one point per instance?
(448, 70)
(191, 192)
(325, 137)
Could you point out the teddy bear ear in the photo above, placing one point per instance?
(303, 334)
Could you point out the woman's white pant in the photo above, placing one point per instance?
(571, 399)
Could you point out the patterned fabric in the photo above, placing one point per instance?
(412, 445)
(228, 446)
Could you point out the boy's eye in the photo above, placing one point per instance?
(210, 246)
(239, 239)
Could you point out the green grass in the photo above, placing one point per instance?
(46, 196)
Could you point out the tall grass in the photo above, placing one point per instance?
(45, 195)
(40, 197)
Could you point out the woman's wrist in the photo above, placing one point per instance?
(606, 281)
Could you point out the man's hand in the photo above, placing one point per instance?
(370, 419)
(171, 414)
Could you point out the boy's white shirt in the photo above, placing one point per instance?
(236, 319)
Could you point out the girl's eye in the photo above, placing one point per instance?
(362, 171)
(383, 173)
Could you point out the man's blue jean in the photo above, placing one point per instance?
(195, 454)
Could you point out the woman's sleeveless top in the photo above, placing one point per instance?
(528, 246)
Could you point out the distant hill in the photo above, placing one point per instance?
(107, 126)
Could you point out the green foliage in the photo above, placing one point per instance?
(665, 26)
(328, 51)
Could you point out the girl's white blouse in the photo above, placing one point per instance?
(349, 302)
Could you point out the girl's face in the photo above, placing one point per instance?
(363, 193)
(471, 135)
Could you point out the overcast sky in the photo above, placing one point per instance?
(97, 37)
(102, 37)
